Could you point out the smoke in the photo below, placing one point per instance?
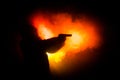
(79, 49)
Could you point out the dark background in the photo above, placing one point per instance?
(108, 12)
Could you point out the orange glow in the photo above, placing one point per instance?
(84, 35)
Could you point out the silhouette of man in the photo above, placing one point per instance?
(34, 49)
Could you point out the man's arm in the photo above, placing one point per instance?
(54, 44)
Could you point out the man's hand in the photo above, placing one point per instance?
(63, 36)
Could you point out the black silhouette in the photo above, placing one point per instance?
(34, 49)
